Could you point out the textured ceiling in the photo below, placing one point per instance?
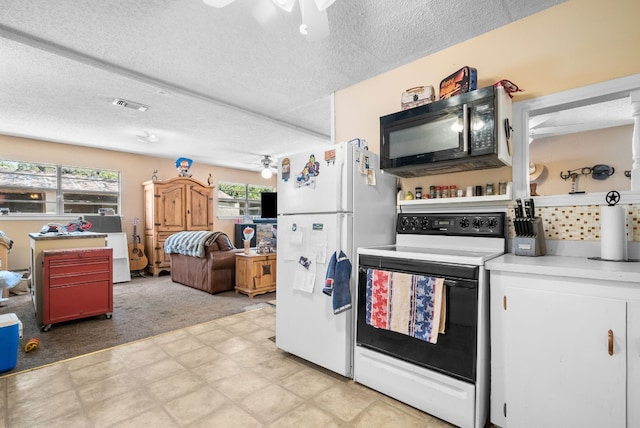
(224, 86)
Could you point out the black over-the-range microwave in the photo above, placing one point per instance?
(465, 132)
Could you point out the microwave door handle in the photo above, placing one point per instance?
(465, 128)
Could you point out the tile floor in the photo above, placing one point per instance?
(224, 373)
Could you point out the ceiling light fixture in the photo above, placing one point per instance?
(266, 173)
(266, 167)
(147, 138)
(315, 24)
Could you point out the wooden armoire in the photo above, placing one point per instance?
(170, 206)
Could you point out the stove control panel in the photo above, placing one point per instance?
(459, 224)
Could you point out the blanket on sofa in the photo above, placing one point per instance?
(190, 243)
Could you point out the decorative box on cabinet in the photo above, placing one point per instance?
(171, 206)
(255, 273)
(78, 283)
(565, 342)
(40, 242)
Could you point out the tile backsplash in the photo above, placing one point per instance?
(581, 223)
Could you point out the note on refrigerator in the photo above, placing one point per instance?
(318, 245)
(304, 281)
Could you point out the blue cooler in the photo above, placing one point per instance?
(10, 334)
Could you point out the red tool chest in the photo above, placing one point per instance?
(78, 283)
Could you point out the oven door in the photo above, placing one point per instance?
(454, 354)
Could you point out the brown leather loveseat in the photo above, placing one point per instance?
(213, 273)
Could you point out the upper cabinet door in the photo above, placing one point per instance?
(565, 360)
(171, 207)
(199, 214)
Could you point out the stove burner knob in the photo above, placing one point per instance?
(404, 222)
(492, 223)
(425, 223)
(477, 222)
(464, 222)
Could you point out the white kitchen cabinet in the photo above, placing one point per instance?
(558, 363)
(551, 363)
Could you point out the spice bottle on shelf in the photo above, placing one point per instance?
(452, 191)
(432, 192)
(489, 191)
(502, 188)
(418, 192)
(445, 191)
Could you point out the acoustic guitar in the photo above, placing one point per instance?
(137, 259)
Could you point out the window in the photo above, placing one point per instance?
(37, 188)
(239, 200)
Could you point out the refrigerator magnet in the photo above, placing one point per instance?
(330, 156)
(311, 169)
(304, 262)
(286, 169)
(371, 177)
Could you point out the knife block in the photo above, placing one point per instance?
(531, 244)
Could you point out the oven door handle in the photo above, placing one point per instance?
(448, 281)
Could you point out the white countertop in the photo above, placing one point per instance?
(563, 266)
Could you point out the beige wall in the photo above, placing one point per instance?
(577, 43)
(609, 146)
(135, 170)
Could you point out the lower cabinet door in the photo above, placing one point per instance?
(79, 301)
(565, 360)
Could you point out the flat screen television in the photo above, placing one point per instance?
(269, 205)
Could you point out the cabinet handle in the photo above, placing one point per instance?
(610, 342)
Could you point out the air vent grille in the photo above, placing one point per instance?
(130, 104)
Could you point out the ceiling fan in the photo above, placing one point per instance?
(267, 167)
(315, 24)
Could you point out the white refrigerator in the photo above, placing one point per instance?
(334, 201)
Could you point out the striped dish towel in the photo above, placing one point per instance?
(405, 303)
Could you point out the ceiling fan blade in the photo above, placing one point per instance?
(323, 4)
(285, 4)
(315, 22)
(267, 14)
(217, 3)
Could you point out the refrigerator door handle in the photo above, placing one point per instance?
(340, 183)
(339, 237)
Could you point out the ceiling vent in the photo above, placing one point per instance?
(129, 104)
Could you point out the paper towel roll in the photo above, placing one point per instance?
(613, 233)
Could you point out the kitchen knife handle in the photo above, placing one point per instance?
(519, 208)
(529, 208)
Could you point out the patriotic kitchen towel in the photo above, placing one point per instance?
(405, 303)
(337, 282)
